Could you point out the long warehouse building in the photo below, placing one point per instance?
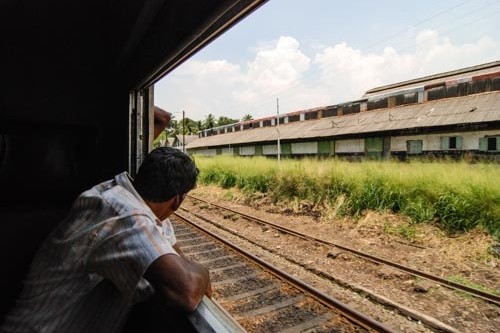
(453, 113)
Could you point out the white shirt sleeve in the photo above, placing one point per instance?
(168, 231)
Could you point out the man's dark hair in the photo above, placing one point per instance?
(165, 173)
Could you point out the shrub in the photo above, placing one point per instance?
(461, 196)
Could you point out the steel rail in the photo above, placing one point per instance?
(450, 284)
(347, 311)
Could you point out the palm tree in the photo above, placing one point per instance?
(174, 127)
(191, 126)
(247, 117)
(209, 121)
(225, 121)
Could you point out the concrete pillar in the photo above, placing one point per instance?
(363, 106)
(420, 96)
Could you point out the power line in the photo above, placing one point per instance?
(268, 97)
(415, 25)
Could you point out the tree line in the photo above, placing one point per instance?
(192, 127)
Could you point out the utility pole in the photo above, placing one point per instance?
(278, 127)
(183, 131)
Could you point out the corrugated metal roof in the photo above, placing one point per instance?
(433, 79)
(451, 111)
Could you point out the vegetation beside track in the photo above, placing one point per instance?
(458, 195)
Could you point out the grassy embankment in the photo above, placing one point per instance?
(459, 196)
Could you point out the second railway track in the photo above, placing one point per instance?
(419, 273)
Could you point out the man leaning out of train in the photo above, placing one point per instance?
(109, 253)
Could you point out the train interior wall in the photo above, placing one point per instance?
(55, 141)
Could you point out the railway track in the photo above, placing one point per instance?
(495, 299)
(261, 297)
(419, 318)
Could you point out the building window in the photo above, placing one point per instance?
(311, 115)
(489, 143)
(292, 119)
(495, 83)
(439, 93)
(330, 112)
(492, 143)
(351, 108)
(477, 87)
(414, 146)
(408, 98)
(451, 142)
(381, 103)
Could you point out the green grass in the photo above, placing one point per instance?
(460, 196)
(464, 281)
(405, 231)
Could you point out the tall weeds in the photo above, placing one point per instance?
(459, 196)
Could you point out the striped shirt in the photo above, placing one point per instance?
(89, 270)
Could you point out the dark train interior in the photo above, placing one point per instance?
(76, 101)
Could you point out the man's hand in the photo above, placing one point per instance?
(208, 293)
(161, 121)
(181, 282)
(177, 248)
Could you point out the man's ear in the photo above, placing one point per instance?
(176, 202)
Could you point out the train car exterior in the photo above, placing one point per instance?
(452, 114)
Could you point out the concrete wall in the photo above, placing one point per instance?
(350, 146)
(247, 151)
(205, 152)
(432, 142)
(305, 148)
(270, 149)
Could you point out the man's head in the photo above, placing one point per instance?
(165, 176)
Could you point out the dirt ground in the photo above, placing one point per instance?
(465, 258)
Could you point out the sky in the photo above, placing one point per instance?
(292, 55)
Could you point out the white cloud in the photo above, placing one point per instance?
(349, 72)
(199, 88)
(437, 54)
(274, 70)
(279, 67)
(337, 73)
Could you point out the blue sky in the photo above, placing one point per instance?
(321, 52)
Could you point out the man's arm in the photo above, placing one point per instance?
(177, 248)
(182, 282)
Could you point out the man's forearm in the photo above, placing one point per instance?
(179, 251)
